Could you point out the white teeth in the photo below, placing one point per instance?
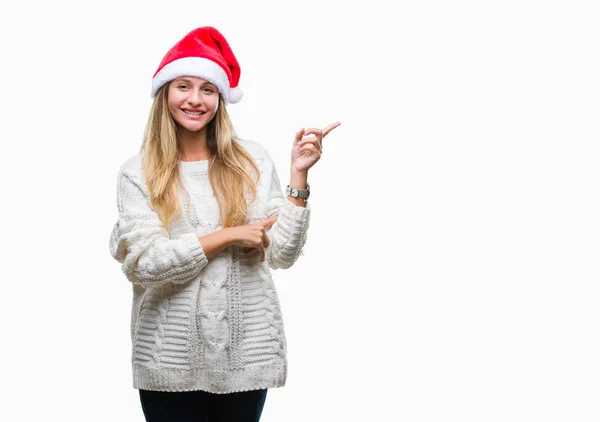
(193, 113)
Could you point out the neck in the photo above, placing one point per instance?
(193, 145)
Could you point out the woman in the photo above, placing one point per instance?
(202, 221)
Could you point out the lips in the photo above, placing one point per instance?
(193, 112)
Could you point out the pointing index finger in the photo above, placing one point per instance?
(268, 223)
(330, 128)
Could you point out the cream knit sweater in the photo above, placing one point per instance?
(198, 324)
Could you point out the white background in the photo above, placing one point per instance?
(451, 268)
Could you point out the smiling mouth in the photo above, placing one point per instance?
(194, 113)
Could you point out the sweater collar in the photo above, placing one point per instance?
(194, 166)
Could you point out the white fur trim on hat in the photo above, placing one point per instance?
(200, 67)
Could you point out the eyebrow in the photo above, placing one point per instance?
(187, 81)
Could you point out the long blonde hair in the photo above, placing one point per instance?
(228, 175)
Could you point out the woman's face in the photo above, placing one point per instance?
(193, 102)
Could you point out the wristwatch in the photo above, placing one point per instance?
(298, 193)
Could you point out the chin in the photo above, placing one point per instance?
(193, 128)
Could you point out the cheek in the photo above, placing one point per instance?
(214, 103)
(170, 105)
(173, 102)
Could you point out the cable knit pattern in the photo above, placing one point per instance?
(234, 299)
(198, 324)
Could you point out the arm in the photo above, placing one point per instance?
(148, 255)
(297, 180)
(288, 234)
(214, 243)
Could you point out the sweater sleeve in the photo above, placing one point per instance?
(148, 255)
(288, 234)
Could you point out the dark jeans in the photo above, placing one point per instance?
(200, 406)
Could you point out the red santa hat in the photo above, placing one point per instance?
(204, 53)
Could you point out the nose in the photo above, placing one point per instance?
(195, 98)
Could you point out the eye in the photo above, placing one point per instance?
(209, 89)
(182, 86)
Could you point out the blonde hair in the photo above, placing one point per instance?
(227, 174)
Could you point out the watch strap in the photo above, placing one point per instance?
(298, 193)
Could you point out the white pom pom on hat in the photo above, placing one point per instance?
(205, 53)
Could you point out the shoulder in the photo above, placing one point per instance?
(131, 169)
(256, 150)
(133, 164)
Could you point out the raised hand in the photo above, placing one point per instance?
(307, 150)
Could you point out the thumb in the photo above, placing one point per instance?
(299, 135)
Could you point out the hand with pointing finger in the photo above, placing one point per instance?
(307, 150)
(253, 236)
